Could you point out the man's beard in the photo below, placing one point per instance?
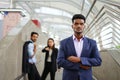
(80, 32)
(33, 40)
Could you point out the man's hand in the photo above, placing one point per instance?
(58, 70)
(74, 59)
(35, 48)
(84, 67)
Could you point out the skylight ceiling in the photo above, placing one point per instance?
(52, 11)
(59, 12)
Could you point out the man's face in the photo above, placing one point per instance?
(34, 37)
(78, 26)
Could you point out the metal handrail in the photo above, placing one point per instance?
(20, 77)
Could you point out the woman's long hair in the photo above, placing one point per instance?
(53, 44)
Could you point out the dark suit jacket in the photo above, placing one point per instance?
(89, 57)
(53, 58)
(25, 57)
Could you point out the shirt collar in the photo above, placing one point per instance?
(31, 41)
(74, 38)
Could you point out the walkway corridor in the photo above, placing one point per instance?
(52, 19)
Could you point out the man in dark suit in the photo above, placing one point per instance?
(77, 54)
(29, 58)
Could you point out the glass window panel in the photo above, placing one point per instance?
(107, 36)
(52, 11)
(117, 39)
(118, 26)
(86, 7)
(117, 30)
(117, 35)
(107, 41)
(4, 5)
(106, 31)
(107, 46)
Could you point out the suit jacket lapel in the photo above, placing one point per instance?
(72, 47)
(85, 46)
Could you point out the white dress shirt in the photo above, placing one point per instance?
(78, 45)
(49, 57)
(31, 52)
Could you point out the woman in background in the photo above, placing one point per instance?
(50, 59)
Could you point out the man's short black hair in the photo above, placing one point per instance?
(32, 33)
(78, 16)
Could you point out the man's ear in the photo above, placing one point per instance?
(72, 26)
(85, 25)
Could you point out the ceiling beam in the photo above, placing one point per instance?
(41, 5)
(111, 2)
(20, 4)
(57, 23)
(53, 16)
(32, 10)
(70, 2)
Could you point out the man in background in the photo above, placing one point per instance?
(29, 59)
